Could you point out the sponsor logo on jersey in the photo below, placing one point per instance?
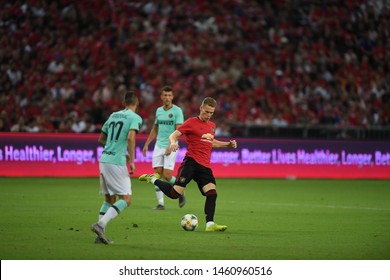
(109, 153)
(166, 122)
(208, 137)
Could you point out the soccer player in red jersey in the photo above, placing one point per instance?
(199, 132)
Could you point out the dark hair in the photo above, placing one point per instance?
(209, 101)
(130, 98)
(167, 88)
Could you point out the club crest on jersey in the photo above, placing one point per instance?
(170, 115)
(213, 129)
(182, 179)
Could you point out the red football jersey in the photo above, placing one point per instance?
(199, 138)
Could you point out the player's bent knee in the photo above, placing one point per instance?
(167, 174)
(178, 189)
(208, 187)
(127, 199)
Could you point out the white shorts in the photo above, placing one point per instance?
(114, 179)
(160, 159)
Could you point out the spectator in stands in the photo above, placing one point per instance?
(56, 66)
(33, 125)
(14, 74)
(4, 125)
(4, 122)
(222, 130)
(20, 126)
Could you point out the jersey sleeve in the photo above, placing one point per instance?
(136, 124)
(179, 116)
(156, 116)
(186, 127)
(105, 127)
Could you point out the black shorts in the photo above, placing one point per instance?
(190, 169)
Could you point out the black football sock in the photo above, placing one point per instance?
(209, 207)
(167, 189)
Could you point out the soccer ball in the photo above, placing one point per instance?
(189, 222)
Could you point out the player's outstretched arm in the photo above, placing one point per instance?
(131, 150)
(173, 140)
(224, 144)
(152, 135)
(102, 139)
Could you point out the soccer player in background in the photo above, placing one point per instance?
(118, 135)
(169, 117)
(199, 132)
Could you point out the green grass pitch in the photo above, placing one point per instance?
(49, 218)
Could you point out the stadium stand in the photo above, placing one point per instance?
(272, 65)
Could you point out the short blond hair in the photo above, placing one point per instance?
(210, 102)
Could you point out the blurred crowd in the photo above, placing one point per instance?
(66, 64)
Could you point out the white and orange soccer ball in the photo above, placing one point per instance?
(189, 222)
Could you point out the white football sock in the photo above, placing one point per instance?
(110, 214)
(209, 224)
(160, 197)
